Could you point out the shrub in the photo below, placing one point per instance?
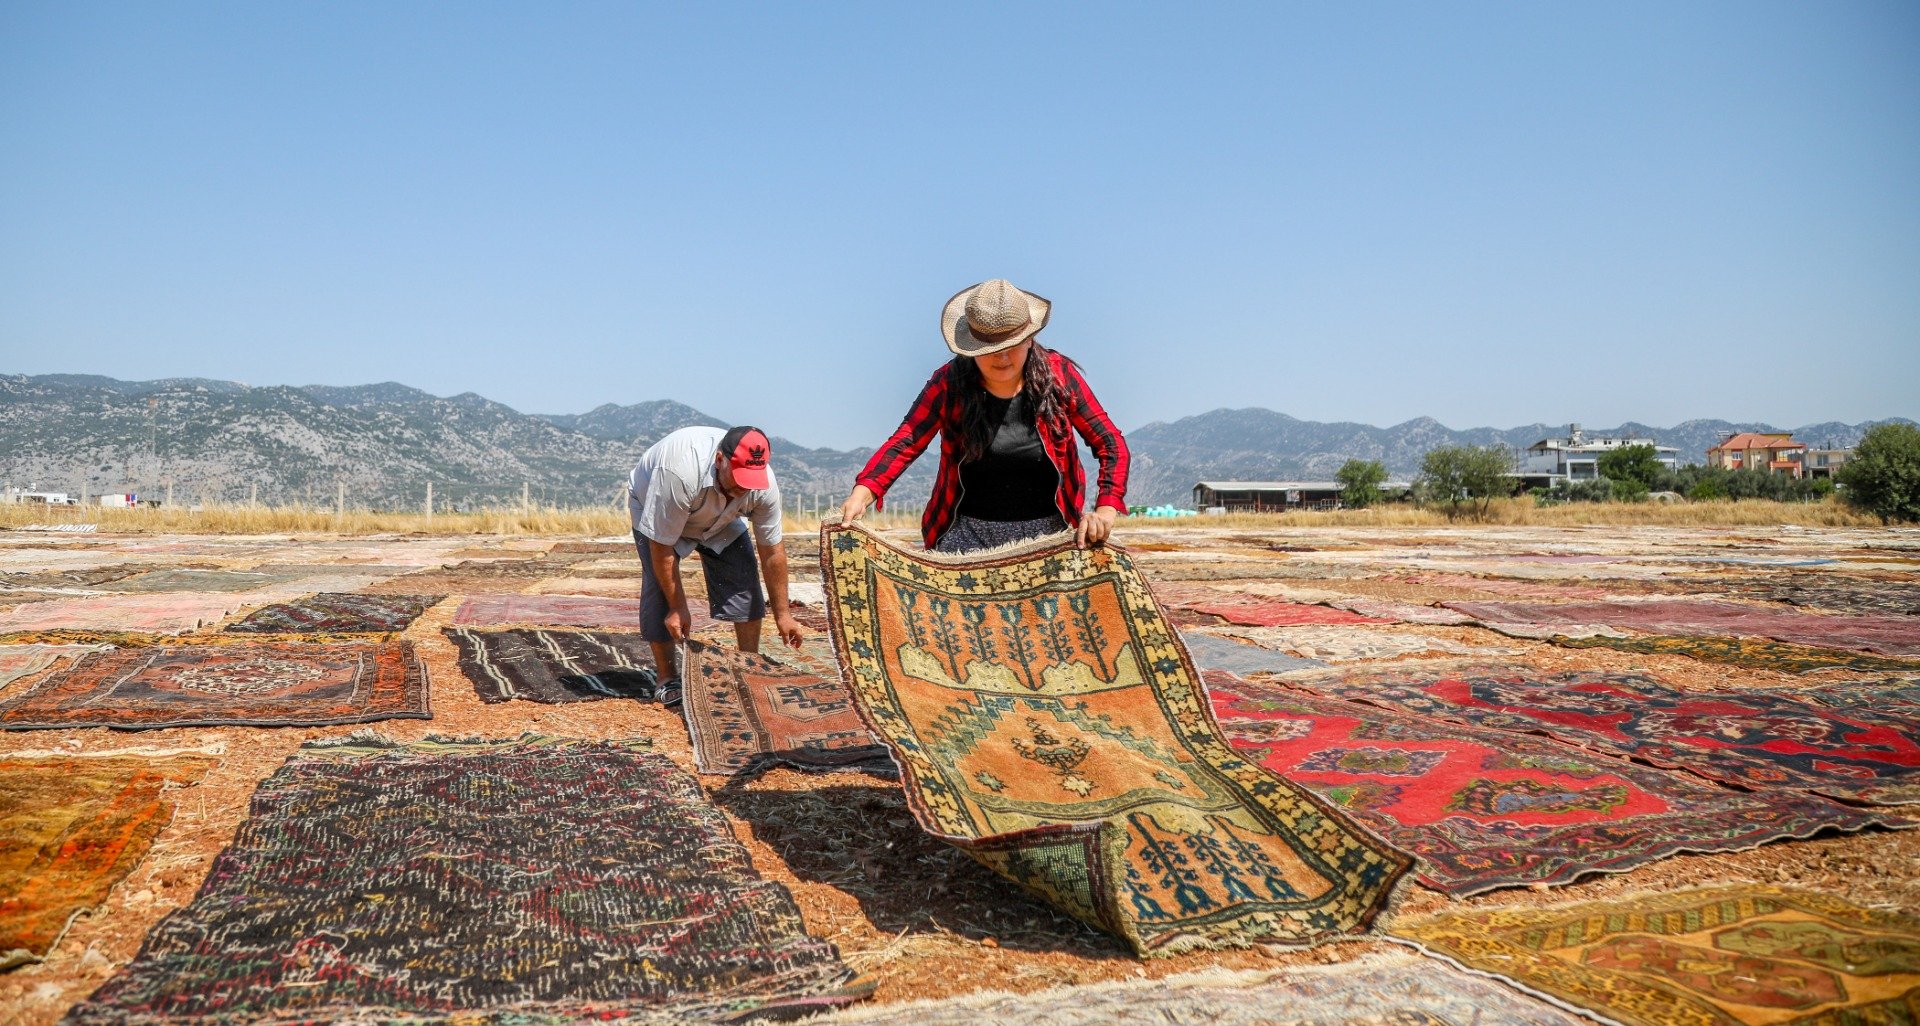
(1465, 478)
(1883, 475)
(1360, 483)
(1639, 464)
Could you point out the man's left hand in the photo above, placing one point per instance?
(789, 629)
(1094, 527)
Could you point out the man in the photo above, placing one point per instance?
(695, 490)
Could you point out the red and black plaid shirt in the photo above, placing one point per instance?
(937, 410)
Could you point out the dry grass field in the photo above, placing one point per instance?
(916, 915)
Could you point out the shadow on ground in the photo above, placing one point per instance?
(864, 841)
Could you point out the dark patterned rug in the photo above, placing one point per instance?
(1488, 808)
(1754, 738)
(747, 711)
(332, 612)
(554, 666)
(1887, 635)
(535, 881)
(261, 684)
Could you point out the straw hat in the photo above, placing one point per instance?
(992, 316)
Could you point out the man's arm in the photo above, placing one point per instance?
(666, 570)
(773, 569)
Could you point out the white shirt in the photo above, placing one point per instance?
(675, 499)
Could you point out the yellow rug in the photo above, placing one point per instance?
(1745, 954)
(1048, 721)
(70, 828)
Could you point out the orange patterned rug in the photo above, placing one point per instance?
(1720, 956)
(1048, 721)
(70, 828)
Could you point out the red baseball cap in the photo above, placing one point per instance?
(747, 451)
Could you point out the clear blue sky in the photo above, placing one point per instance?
(1487, 213)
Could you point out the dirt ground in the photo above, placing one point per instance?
(919, 917)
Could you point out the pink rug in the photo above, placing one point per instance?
(168, 613)
(562, 611)
(1888, 635)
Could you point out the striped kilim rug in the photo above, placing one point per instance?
(70, 828)
(1720, 956)
(1748, 737)
(337, 613)
(264, 684)
(539, 880)
(746, 711)
(554, 666)
(1047, 721)
(1487, 808)
(1383, 989)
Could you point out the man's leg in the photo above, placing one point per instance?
(733, 590)
(653, 618)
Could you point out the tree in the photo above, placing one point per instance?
(1465, 478)
(1883, 474)
(1636, 463)
(1360, 482)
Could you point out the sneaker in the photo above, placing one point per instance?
(669, 692)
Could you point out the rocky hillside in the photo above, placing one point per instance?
(221, 441)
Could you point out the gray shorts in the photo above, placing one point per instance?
(733, 586)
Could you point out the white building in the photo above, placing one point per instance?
(1577, 457)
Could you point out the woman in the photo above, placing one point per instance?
(1006, 409)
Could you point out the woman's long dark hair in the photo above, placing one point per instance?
(1046, 396)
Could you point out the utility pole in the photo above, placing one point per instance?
(169, 493)
(253, 495)
(340, 501)
(429, 505)
(526, 503)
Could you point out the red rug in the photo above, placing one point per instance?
(1759, 739)
(1888, 635)
(1485, 808)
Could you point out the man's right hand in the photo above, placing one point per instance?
(677, 620)
(856, 504)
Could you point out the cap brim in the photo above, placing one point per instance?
(751, 478)
(961, 339)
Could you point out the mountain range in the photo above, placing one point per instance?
(221, 441)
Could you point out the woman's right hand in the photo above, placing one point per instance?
(857, 502)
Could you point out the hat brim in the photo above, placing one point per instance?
(750, 478)
(961, 339)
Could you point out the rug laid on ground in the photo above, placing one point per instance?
(549, 611)
(1048, 722)
(20, 661)
(70, 828)
(1487, 808)
(554, 666)
(747, 711)
(337, 613)
(1214, 652)
(1747, 653)
(1753, 738)
(205, 580)
(1719, 956)
(539, 880)
(1403, 612)
(265, 684)
(167, 614)
(1887, 635)
(1377, 989)
(1254, 611)
(1357, 644)
(1890, 699)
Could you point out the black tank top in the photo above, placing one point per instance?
(1013, 479)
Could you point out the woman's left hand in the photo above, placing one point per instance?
(1094, 527)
